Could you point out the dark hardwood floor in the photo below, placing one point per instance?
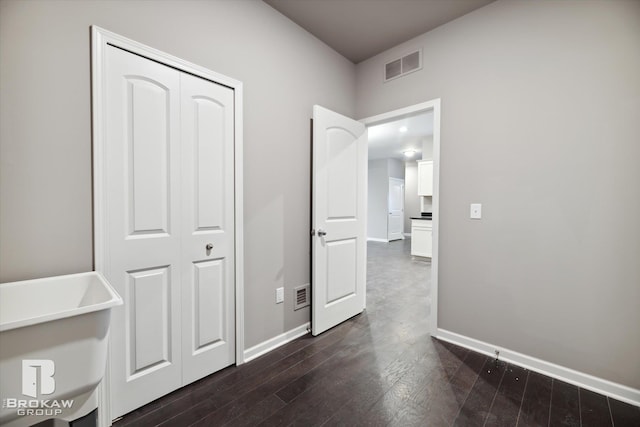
(382, 368)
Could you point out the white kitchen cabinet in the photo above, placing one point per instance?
(425, 177)
(421, 237)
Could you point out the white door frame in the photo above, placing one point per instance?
(100, 39)
(433, 105)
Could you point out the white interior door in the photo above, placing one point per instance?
(395, 222)
(169, 193)
(339, 219)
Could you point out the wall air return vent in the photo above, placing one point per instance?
(301, 295)
(403, 66)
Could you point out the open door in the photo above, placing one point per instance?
(338, 219)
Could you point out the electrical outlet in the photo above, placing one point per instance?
(279, 295)
(475, 211)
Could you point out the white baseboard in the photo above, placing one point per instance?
(586, 381)
(374, 239)
(275, 342)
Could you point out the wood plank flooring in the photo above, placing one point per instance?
(382, 368)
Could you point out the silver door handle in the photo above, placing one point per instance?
(209, 246)
(322, 233)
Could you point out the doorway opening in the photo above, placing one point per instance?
(404, 154)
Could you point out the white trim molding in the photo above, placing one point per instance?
(100, 39)
(580, 379)
(275, 342)
(433, 105)
(375, 239)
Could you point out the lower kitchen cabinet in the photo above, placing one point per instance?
(421, 237)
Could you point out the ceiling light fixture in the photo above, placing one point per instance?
(403, 129)
(409, 153)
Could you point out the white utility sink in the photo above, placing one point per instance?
(64, 320)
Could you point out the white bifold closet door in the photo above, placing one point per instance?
(170, 227)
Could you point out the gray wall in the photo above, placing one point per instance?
(427, 148)
(396, 168)
(411, 199)
(540, 114)
(378, 191)
(45, 139)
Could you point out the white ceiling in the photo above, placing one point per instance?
(386, 140)
(360, 29)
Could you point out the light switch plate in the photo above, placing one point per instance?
(279, 295)
(475, 211)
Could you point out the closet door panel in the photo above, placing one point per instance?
(142, 166)
(208, 314)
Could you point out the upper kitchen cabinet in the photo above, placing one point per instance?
(425, 177)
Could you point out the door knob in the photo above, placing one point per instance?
(322, 233)
(209, 246)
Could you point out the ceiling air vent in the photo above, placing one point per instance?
(402, 66)
(301, 295)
